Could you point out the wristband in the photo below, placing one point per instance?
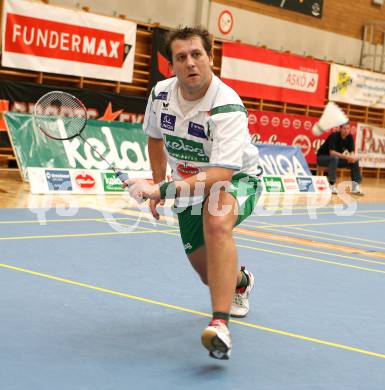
(167, 190)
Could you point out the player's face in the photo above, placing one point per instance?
(192, 66)
(345, 131)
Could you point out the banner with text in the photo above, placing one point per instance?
(21, 97)
(261, 73)
(122, 144)
(160, 68)
(356, 86)
(282, 160)
(268, 127)
(45, 38)
(307, 7)
(370, 146)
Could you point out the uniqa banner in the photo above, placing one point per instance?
(122, 144)
(356, 86)
(370, 146)
(267, 74)
(282, 160)
(45, 38)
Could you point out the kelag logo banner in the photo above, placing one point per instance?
(122, 144)
(58, 40)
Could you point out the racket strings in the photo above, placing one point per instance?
(60, 115)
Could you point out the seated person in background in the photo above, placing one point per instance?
(331, 155)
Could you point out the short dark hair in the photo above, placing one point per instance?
(186, 33)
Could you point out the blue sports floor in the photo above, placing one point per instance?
(96, 301)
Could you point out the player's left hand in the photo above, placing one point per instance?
(141, 189)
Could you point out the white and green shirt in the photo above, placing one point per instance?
(213, 133)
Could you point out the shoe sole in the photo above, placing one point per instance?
(213, 343)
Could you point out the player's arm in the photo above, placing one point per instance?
(158, 159)
(202, 184)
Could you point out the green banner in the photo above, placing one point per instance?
(273, 184)
(122, 144)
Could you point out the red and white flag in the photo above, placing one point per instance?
(266, 74)
(51, 39)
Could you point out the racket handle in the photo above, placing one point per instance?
(122, 176)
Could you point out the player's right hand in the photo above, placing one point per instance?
(153, 207)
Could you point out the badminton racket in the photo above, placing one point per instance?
(70, 121)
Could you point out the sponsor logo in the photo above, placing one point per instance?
(58, 180)
(187, 246)
(273, 184)
(275, 121)
(264, 120)
(184, 149)
(305, 184)
(296, 124)
(316, 9)
(286, 123)
(85, 181)
(186, 170)
(111, 183)
(196, 130)
(302, 142)
(343, 82)
(162, 96)
(167, 121)
(290, 184)
(321, 184)
(64, 41)
(307, 125)
(252, 119)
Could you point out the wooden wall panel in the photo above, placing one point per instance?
(344, 17)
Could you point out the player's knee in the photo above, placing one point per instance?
(218, 225)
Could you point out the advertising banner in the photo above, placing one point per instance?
(370, 146)
(75, 181)
(122, 144)
(282, 160)
(261, 73)
(21, 97)
(288, 184)
(45, 38)
(307, 7)
(160, 68)
(287, 129)
(356, 86)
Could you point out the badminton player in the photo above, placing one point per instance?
(199, 126)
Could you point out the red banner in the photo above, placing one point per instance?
(287, 129)
(267, 74)
(50, 39)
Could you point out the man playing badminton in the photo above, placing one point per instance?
(199, 125)
(338, 151)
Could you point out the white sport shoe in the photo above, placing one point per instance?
(216, 338)
(334, 189)
(356, 190)
(240, 306)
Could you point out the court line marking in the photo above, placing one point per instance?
(287, 214)
(336, 223)
(143, 231)
(174, 233)
(311, 251)
(275, 228)
(238, 231)
(283, 246)
(199, 313)
(325, 233)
